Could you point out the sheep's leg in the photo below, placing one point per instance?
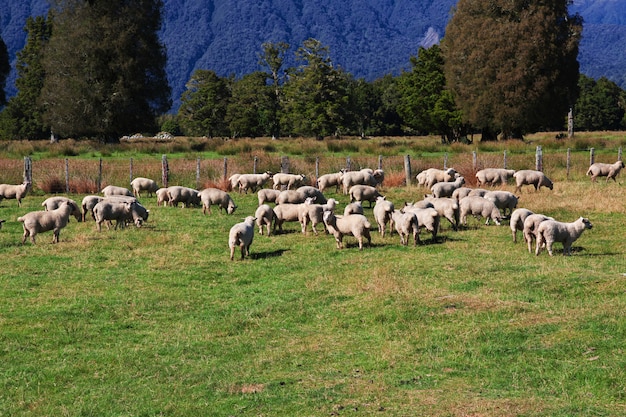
(26, 234)
(55, 236)
(232, 252)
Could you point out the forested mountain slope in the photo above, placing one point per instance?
(368, 38)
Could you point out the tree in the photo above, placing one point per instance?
(386, 119)
(511, 65)
(105, 68)
(251, 110)
(600, 105)
(272, 58)
(5, 69)
(203, 105)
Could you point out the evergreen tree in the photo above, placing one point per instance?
(105, 68)
(511, 65)
(386, 120)
(251, 109)
(272, 58)
(204, 104)
(600, 105)
(5, 69)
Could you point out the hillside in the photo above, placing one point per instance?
(368, 38)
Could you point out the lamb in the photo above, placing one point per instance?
(266, 195)
(178, 194)
(88, 203)
(517, 221)
(241, 234)
(531, 177)
(531, 224)
(353, 208)
(329, 180)
(286, 213)
(17, 192)
(264, 216)
(406, 224)
(427, 218)
(214, 196)
(504, 200)
(120, 211)
(53, 203)
(448, 208)
(445, 189)
(362, 177)
(383, 209)
(290, 180)
(551, 231)
(610, 171)
(494, 176)
(140, 184)
(162, 197)
(43, 221)
(363, 193)
(110, 190)
(461, 192)
(479, 207)
(252, 181)
(355, 225)
(314, 213)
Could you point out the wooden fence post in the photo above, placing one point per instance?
(407, 170)
(592, 156)
(256, 162)
(348, 164)
(28, 169)
(539, 159)
(198, 173)
(225, 171)
(474, 161)
(505, 159)
(317, 169)
(445, 161)
(165, 171)
(67, 176)
(284, 164)
(619, 154)
(380, 162)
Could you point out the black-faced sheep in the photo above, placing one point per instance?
(610, 171)
(43, 221)
(494, 176)
(217, 197)
(53, 203)
(241, 234)
(17, 192)
(517, 221)
(355, 225)
(383, 209)
(531, 177)
(140, 184)
(551, 231)
(479, 207)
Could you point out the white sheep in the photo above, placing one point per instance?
(494, 176)
(309, 191)
(43, 221)
(445, 189)
(517, 221)
(162, 197)
(290, 197)
(364, 193)
(435, 175)
(88, 203)
(379, 176)
(610, 171)
(504, 200)
(179, 194)
(120, 211)
(290, 180)
(427, 218)
(53, 203)
(383, 209)
(286, 213)
(241, 234)
(264, 216)
(551, 231)
(477, 192)
(531, 177)
(111, 190)
(9, 191)
(362, 177)
(247, 182)
(448, 208)
(314, 213)
(329, 180)
(267, 195)
(355, 225)
(479, 207)
(406, 225)
(140, 184)
(461, 192)
(215, 196)
(353, 208)
(531, 224)
(233, 180)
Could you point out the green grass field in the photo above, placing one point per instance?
(157, 321)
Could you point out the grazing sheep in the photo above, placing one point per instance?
(530, 177)
(314, 213)
(517, 221)
(406, 225)
(241, 235)
(504, 200)
(461, 192)
(286, 212)
(353, 208)
(448, 208)
(138, 214)
(427, 218)
(267, 195)
(477, 192)
(531, 224)
(479, 207)
(551, 231)
(178, 194)
(140, 184)
(383, 209)
(445, 189)
(355, 225)
(434, 175)
(247, 182)
(162, 197)
(214, 196)
(120, 211)
(364, 193)
(605, 170)
(43, 221)
(88, 203)
(264, 215)
(290, 197)
(9, 192)
(362, 177)
(53, 203)
(290, 180)
(233, 180)
(111, 190)
(329, 180)
(494, 176)
(308, 191)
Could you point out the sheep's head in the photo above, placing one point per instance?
(586, 222)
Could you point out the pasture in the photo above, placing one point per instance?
(157, 321)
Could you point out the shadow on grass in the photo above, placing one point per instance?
(270, 254)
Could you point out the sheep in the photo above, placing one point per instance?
(531, 224)
(355, 225)
(427, 218)
(551, 231)
(448, 208)
(431, 176)
(504, 200)
(233, 180)
(610, 171)
(110, 190)
(531, 177)
(479, 207)
(53, 203)
(353, 208)
(241, 234)
(314, 213)
(328, 180)
(9, 191)
(445, 189)
(461, 192)
(383, 209)
(494, 176)
(214, 196)
(363, 193)
(120, 211)
(362, 177)
(290, 197)
(88, 203)
(406, 224)
(252, 181)
(517, 221)
(266, 195)
(162, 197)
(140, 184)
(264, 215)
(290, 180)
(308, 191)
(379, 176)
(43, 221)
(286, 213)
(477, 192)
(178, 194)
